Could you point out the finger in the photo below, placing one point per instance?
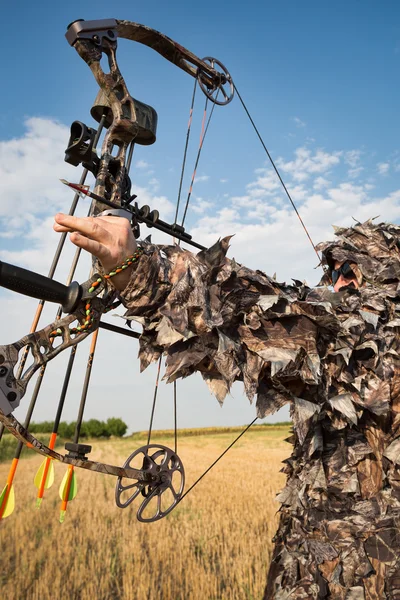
(85, 243)
(83, 224)
(61, 228)
(89, 226)
(74, 222)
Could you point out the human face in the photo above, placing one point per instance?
(344, 280)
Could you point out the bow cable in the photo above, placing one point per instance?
(202, 137)
(216, 460)
(185, 151)
(276, 171)
(154, 402)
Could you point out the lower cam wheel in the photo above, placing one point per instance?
(165, 489)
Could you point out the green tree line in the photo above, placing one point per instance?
(93, 428)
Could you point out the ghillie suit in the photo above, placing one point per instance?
(335, 358)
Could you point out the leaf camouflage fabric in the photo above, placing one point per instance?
(334, 358)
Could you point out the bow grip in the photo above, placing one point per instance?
(38, 286)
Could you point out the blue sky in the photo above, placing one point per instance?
(321, 82)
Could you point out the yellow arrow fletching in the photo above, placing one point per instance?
(10, 501)
(40, 473)
(69, 481)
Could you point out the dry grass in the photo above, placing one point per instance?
(215, 545)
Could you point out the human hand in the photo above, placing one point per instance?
(110, 239)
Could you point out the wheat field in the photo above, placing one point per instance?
(216, 545)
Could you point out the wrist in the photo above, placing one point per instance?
(121, 274)
(121, 280)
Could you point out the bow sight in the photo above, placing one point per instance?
(154, 472)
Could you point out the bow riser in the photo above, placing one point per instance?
(42, 347)
(123, 128)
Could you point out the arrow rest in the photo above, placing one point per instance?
(77, 450)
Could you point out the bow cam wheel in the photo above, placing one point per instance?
(165, 489)
(223, 86)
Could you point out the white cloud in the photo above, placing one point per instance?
(200, 206)
(298, 122)
(265, 184)
(30, 168)
(320, 183)
(354, 173)
(161, 203)
(141, 164)
(353, 157)
(306, 163)
(201, 178)
(269, 236)
(383, 168)
(154, 184)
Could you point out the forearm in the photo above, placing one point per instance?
(148, 285)
(209, 314)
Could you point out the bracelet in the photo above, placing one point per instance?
(88, 309)
(127, 263)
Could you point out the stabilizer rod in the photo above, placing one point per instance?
(38, 286)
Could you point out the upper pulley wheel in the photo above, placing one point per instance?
(224, 86)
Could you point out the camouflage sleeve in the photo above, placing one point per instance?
(209, 314)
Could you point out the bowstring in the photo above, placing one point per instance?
(154, 402)
(276, 171)
(204, 129)
(185, 150)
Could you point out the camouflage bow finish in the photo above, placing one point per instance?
(91, 39)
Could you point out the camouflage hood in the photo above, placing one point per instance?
(374, 247)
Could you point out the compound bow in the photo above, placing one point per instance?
(128, 122)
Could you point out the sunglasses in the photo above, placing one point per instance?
(345, 270)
